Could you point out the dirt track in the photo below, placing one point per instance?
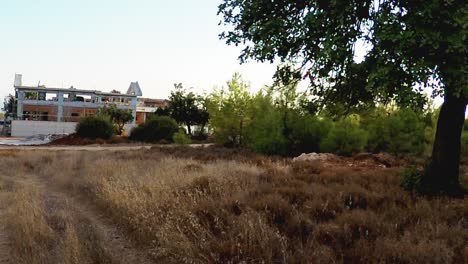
(89, 148)
(92, 147)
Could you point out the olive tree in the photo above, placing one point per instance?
(412, 45)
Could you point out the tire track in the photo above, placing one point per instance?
(114, 243)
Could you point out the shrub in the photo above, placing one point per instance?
(345, 137)
(94, 127)
(181, 138)
(265, 133)
(307, 132)
(402, 131)
(411, 180)
(155, 129)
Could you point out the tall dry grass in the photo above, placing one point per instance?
(208, 206)
(42, 228)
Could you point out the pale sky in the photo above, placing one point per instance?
(106, 44)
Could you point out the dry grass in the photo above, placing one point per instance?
(219, 206)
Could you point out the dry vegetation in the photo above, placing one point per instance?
(183, 205)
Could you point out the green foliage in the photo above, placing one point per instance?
(410, 46)
(409, 43)
(411, 179)
(155, 129)
(118, 116)
(9, 105)
(265, 132)
(228, 110)
(94, 127)
(274, 122)
(187, 108)
(162, 112)
(307, 132)
(400, 131)
(181, 138)
(345, 137)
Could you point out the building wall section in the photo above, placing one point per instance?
(27, 128)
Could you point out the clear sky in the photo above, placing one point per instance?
(106, 44)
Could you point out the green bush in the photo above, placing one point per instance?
(181, 138)
(307, 132)
(411, 180)
(345, 137)
(94, 127)
(265, 132)
(402, 131)
(155, 129)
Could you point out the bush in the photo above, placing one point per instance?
(181, 138)
(345, 137)
(155, 129)
(265, 133)
(307, 133)
(94, 127)
(402, 131)
(411, 180)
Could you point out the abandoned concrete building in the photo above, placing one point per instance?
(44, 110)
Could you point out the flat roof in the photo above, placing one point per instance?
(36, 88)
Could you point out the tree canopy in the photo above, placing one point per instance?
(118, 116)
(187, 108)
(409, 45)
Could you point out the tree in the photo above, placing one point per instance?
(228, 111)
(187, 108)
(410, 45)
(9, 105)
(119, 117)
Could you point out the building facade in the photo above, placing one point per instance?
(40, 103)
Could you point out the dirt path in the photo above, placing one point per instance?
(114, 243)
(95, 147)
(4, 248)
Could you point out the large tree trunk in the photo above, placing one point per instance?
(443, 171)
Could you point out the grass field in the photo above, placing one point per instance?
(183, 205)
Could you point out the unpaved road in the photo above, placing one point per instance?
(102, 238)
(88, 148)
(113, 241)
(94, 147)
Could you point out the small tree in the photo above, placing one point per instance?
(118, 116)
(9, 105)
(228, 111)
(187, 108)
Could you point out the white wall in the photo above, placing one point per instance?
(27, 128)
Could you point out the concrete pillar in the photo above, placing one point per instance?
(59, 106)
(19, 105)
(134, 106)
